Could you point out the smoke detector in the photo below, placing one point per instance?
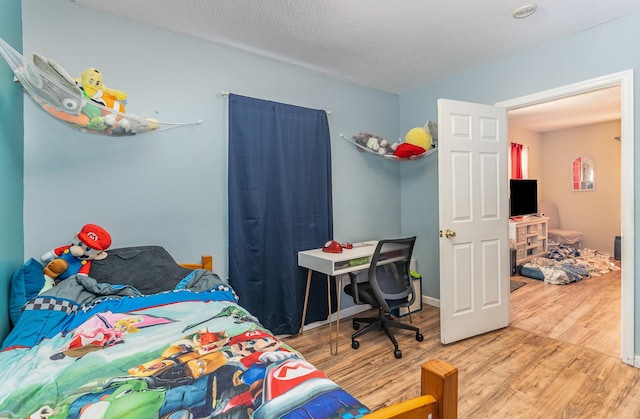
(524, 11)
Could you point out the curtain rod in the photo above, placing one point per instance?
(225, 93)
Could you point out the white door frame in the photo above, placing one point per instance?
(625, 80)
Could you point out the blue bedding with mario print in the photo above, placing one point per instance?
(86, 350)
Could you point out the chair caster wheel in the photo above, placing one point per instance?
(356, 325)
(397, 353)
(355, 344)
(419, 337)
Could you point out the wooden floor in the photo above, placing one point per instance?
(586, 313)
(560, 358)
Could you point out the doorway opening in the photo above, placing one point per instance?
(625, 81)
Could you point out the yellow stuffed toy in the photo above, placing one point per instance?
(416, 142)
(92, 84)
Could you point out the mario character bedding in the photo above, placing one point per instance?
(89, 348)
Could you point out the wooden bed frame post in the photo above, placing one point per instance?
(440, 379)
(207, 263)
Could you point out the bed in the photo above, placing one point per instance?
(142, 336)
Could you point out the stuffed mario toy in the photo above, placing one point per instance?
(89, 244)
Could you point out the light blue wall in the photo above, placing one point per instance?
(602, 50)
(11, 161)
(170, 188)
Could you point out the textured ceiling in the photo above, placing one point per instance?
(394, 46)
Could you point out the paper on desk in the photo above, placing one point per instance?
(363, 244)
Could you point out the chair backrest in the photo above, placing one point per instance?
(389, 273)
(549, 209)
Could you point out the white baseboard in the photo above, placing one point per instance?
(345, 312)
(431, 301)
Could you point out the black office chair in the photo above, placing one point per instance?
(389, 287)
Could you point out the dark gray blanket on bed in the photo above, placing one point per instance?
(149, 269)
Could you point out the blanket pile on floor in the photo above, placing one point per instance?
(565, 264)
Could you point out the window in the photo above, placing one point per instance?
(583, 173)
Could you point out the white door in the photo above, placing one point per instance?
(474, 244)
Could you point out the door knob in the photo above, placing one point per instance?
(449, 234)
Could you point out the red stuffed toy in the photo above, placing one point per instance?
(89, 244)
(416, 142)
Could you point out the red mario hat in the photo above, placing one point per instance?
(250, 335)
(95, 237)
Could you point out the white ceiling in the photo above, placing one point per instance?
(588, 108)
(393, 46)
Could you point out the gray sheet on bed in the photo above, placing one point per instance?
(149, 269)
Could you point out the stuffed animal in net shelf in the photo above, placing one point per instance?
(416, 142)
(92, 84)
(375, 143)
(89, 244)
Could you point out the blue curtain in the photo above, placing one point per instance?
(279, 203)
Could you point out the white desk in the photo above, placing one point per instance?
(336, 265)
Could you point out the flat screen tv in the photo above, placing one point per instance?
(523, 197)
